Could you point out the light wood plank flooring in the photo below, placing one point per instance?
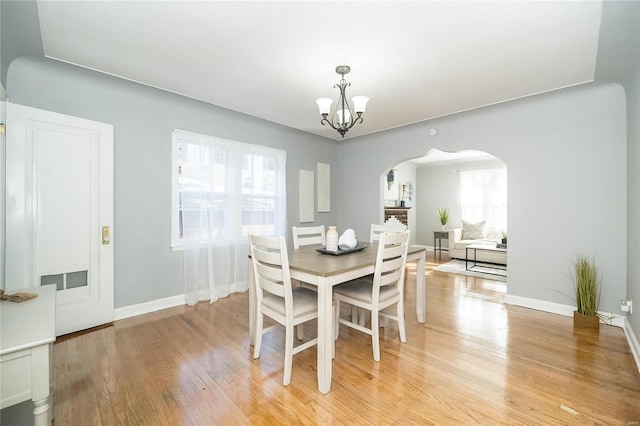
(474, 361)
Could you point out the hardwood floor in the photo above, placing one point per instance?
(474, 361)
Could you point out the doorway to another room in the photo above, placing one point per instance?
(457, 207)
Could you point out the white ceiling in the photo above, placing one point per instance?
(415, 60)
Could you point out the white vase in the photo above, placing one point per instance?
(445, 227)
(332, 239)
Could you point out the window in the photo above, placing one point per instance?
(483, 196)
(223, 189)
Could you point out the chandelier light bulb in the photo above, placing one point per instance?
(343, 116)
(360, 103)
(324, 105)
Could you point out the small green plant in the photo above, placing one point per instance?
(587, 286)
(504, 235)
(443, 214)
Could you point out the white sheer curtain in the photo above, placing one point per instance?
(483, 196)
(226, 189)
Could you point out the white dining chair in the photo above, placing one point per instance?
(378, 229)
(306, 235)
(384, 290)
(391, 226)
(277, 299)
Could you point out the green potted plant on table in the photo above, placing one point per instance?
(586, 284)
(443, 215)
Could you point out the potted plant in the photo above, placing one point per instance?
(586, 284)
(443, 215)
(504, 237)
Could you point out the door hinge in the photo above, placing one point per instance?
(3, 129)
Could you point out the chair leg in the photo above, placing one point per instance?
(403, 333)
(288, 355)
(335, 331)
(336, 323)
(375, 335)
(258, 335)
(300, 331)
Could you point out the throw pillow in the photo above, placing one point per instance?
(472, 231)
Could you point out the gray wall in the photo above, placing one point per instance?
(619, 60)
(146, 268)
(19, 36)
(566, 159)
(19, 33)
(439, 186)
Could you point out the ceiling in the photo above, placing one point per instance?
(415, 60)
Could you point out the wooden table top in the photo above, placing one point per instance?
(307, 259)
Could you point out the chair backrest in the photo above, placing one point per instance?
(305, 235)
(271, 268)
(377, 230)
(391, 260)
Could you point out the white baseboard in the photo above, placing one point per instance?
(560, 309)
(633, 342)
(540, 305)
(567, 310)
(148, 307)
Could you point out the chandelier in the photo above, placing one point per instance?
(343, 119)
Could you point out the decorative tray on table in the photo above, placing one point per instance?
(340, 251)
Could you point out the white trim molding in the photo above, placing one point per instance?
(540, 305)
(560, 309)
(148, 307)
(633, 342)
(159, 304)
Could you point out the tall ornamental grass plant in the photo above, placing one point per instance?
(587, 286)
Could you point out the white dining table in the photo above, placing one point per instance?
(308, 265)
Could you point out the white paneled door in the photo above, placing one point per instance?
(59, 212)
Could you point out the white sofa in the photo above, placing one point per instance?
(457, 247)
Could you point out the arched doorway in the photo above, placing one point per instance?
(444, 180)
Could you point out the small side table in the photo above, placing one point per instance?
(439, 235)
(27, 334)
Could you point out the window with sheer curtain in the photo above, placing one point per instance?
(222, 191)
(483, 196)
